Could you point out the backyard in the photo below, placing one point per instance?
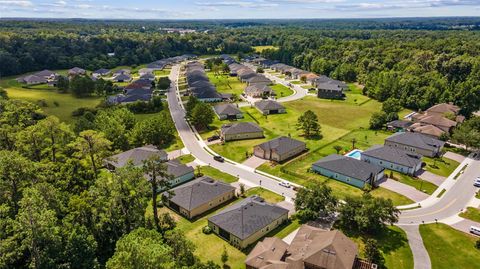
(226, 84)
(449, 248)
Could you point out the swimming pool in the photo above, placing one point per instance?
(356, 154)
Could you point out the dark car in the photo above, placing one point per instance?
(213, 138)
(218, 158)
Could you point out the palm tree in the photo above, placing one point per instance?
(337, 148)
(354, 140)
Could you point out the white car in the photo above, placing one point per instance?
(284, 184)
(476, 183)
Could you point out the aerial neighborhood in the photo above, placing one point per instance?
(303, 144)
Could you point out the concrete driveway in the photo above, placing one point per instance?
(431, 177)
(454, 156)
(464, 226)
(403, 189)
(254, 162)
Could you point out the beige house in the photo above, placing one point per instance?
(279, 149)
(240, 131)
(198, 196)
(437, 120)
(416, 143)
(243, 223)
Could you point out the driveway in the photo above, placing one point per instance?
(254, 162)
(404, 189)
(431, 177)
(464, 226)
(421, 259)
(454, 156)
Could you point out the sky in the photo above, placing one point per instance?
(236, 9)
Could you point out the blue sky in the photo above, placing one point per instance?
(236, 9)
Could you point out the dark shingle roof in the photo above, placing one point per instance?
(241, 128)
(400, 123)
(247, 217)
(44, 73)
(416, 140)
(259, 79)
(349, 167)
(226, 109)
(122, 77)
(136, 155)
(393, 155)
(198, 192)
(281, 144)
(177, 169)
(268, 105)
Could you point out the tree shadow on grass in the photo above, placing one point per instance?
(388, 240)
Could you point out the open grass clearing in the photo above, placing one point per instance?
(449, 248)
(440, 166)
(269, 196)
(259, 49)
(188, 158)
(216, 174)
(471, 213)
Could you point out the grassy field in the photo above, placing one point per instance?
(393, 245)
(281, 90)
(440, 166)
(226, 83)
(66, 101)
(471, 213)
(269, 196)
(417, 183)
(449, 248)
(188, 158)
(262, 48)
(217, 174)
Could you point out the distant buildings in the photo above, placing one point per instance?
(38, 77)
(279, 149)
(199, 85)
(438, 120)
(77, 71)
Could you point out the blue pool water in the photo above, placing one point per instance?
(355, 154)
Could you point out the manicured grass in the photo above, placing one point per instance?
(296, 82)
(162, 73)
(66, 101)
(307, 87)
(281, 90)
(449, 248)
(226, 84)
(471, 213)
(393, 245)
(441, 193)
(441, 166)
(417, 183)
(269, 196)
(217, 174)
(188, 158)
(262, 48)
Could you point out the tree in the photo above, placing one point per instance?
(191, 104)
(158, 131)
(377, 120)
(372, 253)
(82, 86)
(260, 70)
(63, 84)
(391, 105)
(303, 79)
(93, 147)
(354, 141)
(468, 133)
(315, 201)
(115, 123)
(224, 257)
(182, 249)
(337, 148)
(242, 189)
(3, 94)
(163, 83)
(308, 123)
(225, 68)
(141, 248)
(202, 115)
(159, 179)
(56, 136)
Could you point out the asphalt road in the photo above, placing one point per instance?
(451, 203)
(196, 147)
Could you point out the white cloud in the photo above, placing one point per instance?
(16, 3)
(243, 4)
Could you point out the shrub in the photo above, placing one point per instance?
(56, 103)
(42, 103)
(207, 230)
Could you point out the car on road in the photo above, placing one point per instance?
(477, 182)
(213, 138)
(218, 158)
(284, 184)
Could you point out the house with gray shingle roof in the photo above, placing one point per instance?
(393, 158)
(245, 222)
(279, 149)
(46, 74)
(267, 107)
(180, 172)
(258, 79)
(136, 156)
(258, 91)
(76, 71)
(101, 72)
(416, 143)
(32, 80)
(227, 111)
(239, 131)
(122, 78)
(348, 170)
(199, 196)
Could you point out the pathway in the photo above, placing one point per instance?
(421, 259)
(404, 189)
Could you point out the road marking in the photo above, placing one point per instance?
(434, 212)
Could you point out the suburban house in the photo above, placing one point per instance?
(258, 79)
(199, 85)
(245, 74)
(122, 71)
(267, 107)
(148, 76)
(136, 156)
(247, 221)
(348, 170)
(32, 80)
(329, 91)
(101, 72)
(180, 172)
(437, 120)
(145, 71)
(311, 248)
(399, 125)
(123, 99)
(279, 149)
(198, 196)
(393, 158)
(76, 71)
(227, 111)
(416, 143)
(123, 77)
(240, 130)
(258, 91)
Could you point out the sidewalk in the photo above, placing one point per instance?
(421, 259)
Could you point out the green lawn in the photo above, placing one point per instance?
(440, 166)
(262, 48)
(217, 174)
(393, 245)
(417, 183)
(281, 90)
(188, 158)
(163, 72)
(296, 82)
(269, 196)
(471, 213)
(449, 248)
(226, 84)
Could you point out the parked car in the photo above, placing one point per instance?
(213, 138)
(475, 230)
(218, 158)
(284, 184)
(476, 183)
